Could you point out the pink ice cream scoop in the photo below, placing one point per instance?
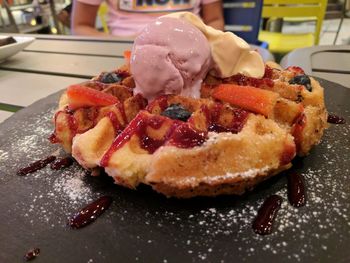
(170, 56)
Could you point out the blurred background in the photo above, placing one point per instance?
(280, 26)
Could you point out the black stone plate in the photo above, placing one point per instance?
(144, 226)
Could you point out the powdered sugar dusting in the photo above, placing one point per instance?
(34, 144)
(65, 192)
(245, 175)
(3, 155)
(208, 229)
(64, 189)
(72, 187)
(326, 213)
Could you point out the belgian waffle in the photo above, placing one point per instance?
(222, 147)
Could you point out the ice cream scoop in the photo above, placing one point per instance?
(170, 56)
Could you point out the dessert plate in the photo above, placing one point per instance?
(11, 49)
(147, 227)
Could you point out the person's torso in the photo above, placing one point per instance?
(128, 17)
(156, 6)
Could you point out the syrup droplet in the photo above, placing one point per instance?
(32, 254)
(263, 222)
(296, 190)
(268, 72)
(249, 81)
(335, 119)
(186, 137)
(53, 138)
(90, 212)
(60, 163)
(35, 166)
(217, 128)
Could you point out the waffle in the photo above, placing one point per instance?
(223, 146)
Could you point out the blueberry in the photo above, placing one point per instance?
(302, 80)
(110, 77)
(176, 112)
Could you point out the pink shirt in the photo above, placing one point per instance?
(128, 17)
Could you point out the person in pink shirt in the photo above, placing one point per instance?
(128, 17)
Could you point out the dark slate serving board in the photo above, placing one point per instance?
(142, 226)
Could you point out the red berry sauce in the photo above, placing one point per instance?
(90, 212)
(267, 213)
(184, 136)
(335, 119)
(297, 129)
(296, 70)
(35, 166)
(61, 163)
(296, 190)
(161, 102)
(268, 73)
(32, 254)
(137, 127)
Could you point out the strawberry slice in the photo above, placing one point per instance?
(247, 97)
(127, 56)
(81, 96)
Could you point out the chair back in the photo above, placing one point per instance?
(297, 8)
(102, 15)
(12, 27)
(242, 17)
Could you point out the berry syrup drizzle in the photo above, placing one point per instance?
(242, 80)
(90, 213)
(31, 254)
(92, 115)
(61, 163)
(267, 213)
(296, 190)
(184, 136)
(213, 115)
(35, 166)
(335, 119)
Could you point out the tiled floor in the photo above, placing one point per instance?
(329, 29)
(328, 32)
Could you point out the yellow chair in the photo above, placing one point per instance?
(284, 43)
(102, 15)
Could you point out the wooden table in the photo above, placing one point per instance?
(328, 62)
(52, 63)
